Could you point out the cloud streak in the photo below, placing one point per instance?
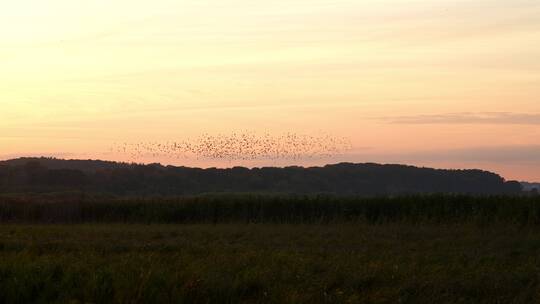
(501, 154)
(496, 154)
(499, 118)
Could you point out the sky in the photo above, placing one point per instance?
(440, 83)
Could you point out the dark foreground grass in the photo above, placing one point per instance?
(269, 263)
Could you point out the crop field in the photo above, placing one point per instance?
(229, 257)
(282, 209)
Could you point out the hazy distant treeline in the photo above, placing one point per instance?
(52, 175)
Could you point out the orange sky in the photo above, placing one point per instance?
(436, 83)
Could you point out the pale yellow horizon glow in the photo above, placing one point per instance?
(428, 82)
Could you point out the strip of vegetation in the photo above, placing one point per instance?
(272, 209)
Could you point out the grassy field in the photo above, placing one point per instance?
(269, 263)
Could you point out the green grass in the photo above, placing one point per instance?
(270, 263)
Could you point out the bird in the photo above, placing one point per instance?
(240, 146)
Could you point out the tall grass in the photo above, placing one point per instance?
(272, 209)
(268, 263)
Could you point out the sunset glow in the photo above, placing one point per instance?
(453, 84)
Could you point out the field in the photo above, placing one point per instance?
(446, 257)
(283, 209)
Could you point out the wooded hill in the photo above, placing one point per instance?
(95, 176)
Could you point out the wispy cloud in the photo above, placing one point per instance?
(519, 154)
(508, 118)
(499, 154)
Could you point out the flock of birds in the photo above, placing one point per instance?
(240, 146)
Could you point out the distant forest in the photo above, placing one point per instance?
(39, 175)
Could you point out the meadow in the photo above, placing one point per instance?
(255, 249)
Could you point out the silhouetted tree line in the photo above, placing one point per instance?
(51, 175)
